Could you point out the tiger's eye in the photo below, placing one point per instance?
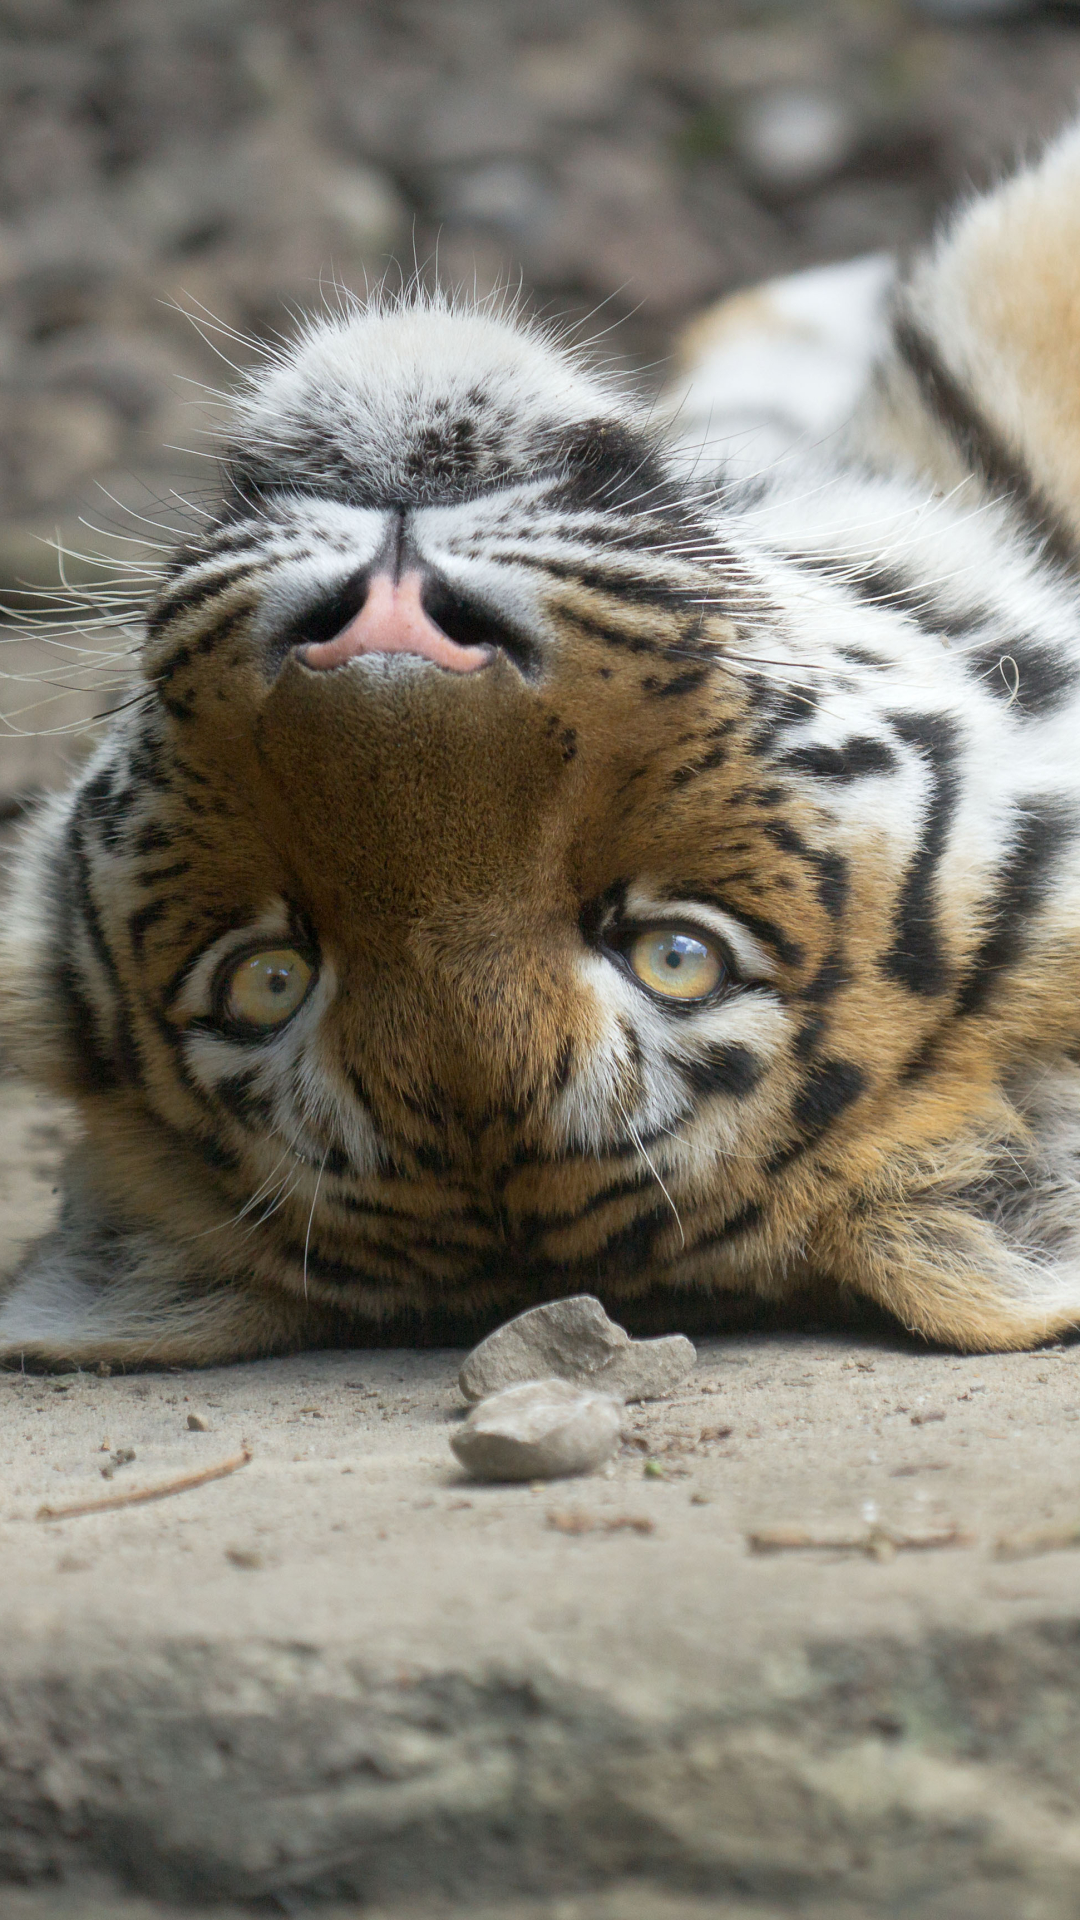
(266, 988)
(681, 966)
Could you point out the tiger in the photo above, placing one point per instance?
(559, 842)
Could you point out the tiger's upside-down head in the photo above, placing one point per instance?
(531, 867)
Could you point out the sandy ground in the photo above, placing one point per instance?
(343, 1670)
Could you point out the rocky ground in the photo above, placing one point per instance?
(235, 158)
(178, 178)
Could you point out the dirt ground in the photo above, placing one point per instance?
(344, 1672)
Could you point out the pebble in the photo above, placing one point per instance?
(791, 140)
(574, 1340)
(540, 1430)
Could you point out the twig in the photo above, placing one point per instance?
(877, 1543)
(575, 1520)
(138, 1495)
(1023, 1546)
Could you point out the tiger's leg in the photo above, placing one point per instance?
(95, 1291)
(974, 1239)
(979, 386)
(780, 367)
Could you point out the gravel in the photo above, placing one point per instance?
(238, 160)
(178, 180)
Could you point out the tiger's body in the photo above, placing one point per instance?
(478, 706)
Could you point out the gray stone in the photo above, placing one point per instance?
(793, 139)
(574, 1340)
(541, 1430)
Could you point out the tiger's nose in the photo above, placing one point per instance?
(393, 619)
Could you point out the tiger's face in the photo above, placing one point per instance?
(514, 879)
(449, 880)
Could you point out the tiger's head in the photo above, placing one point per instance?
(524, 872)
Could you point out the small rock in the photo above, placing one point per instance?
(198, 1423)
(122, 1457)
(540, 1430)
(574, 1340)
(792, 139)
(245, 1557)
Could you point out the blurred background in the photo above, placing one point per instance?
(165, 163)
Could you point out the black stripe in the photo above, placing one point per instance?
(883, 586)
(182, 600)
(140, 923)
(614, 636)
(607, 464)
(230, 535)
(216, 1155)
(153, 838)
(747, 1218)
(982, 446)
(862, 657)
(922, 1062)
(829, 867)
(640, 589)
(1045, 828)
(240, 1096)
(78, 906)
(825, 1094)
(688, 681)
(793, 708)
(210, 638)
(1039, 679)
(730, 1069)
(464, 1216)
(830, 978)
(693, 769)
(787, 950)
(146, 756)
(854, 759)
(917, 960)
(641, 1181)
(107, 806)
(150, 876)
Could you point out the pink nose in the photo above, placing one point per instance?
(392, 620)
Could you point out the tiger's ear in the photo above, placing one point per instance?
(981, 378)
(973, 1241)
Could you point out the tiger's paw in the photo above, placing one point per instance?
(104, 1297)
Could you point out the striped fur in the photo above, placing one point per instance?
(824, 711)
